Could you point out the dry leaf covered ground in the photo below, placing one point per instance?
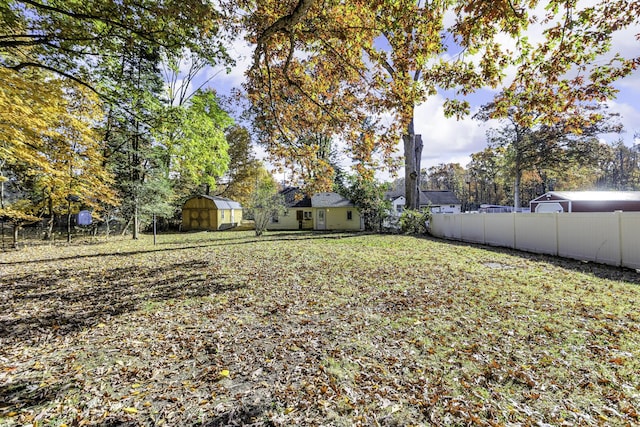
(310, 329)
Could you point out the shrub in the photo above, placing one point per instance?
(414, 222)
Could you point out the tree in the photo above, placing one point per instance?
(359, 60)
(368, 195)
(53, 152)
(74, 151)
(265, 204)
(336, 63)
(619, 167)
(195, 142)
(67, 38)
(486, 176)
(131, 124)
(529, 141)
(244, 169)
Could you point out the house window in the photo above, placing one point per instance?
(222, 214)
(274, 218)
(452, 206)
(286, 212)
(349, 215)
(399, 208)
(308, 216)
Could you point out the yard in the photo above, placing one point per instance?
(314, 329)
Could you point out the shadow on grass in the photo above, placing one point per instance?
(22, 395)
(601, 271)
(244, 415)
(179, 246)
(38, 305)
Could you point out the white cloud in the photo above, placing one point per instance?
(630, 118)
(242, 52)
(447, 140)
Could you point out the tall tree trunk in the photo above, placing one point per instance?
(412, 152)
(69, 222)
(136, 220)
(518, 170)
(516, 188)
(48, 234)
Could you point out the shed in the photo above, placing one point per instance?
(586, 201)
(210, 213)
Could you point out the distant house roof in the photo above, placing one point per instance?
(438, 197)
(594, 195)
(392, 195)
(223, 202)
(429, 197)
(295, 198)
(330, 200)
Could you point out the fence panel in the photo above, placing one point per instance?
(630, 239)
(590, 236)
(606, 237)
(537, 233)
(500, 229)
(446, 226)
(472, 228)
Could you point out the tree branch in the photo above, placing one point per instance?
(282, 24)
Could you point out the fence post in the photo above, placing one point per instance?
(621, 255)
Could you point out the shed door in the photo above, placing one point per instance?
(549, 207)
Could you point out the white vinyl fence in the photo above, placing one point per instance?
(604, 237)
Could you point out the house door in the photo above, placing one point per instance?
(299, 219)
(321, 225)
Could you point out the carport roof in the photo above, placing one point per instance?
(593, 195)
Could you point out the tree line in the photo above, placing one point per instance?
(104, 106)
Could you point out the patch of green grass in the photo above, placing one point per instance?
(305, 328)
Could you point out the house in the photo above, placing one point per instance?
(298, 214)
(439, 201)
(333, 212)
(586, 201)
(210, 213)
(322, 211)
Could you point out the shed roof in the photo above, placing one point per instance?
(222, 202)
(330, 200)
(603, 196)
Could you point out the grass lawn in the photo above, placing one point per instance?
(311, 329)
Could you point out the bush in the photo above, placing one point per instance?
(414, 222)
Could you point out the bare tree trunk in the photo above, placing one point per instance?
(136, 221)
(516, 189)
(126, 226)
(16, 228)
(412, 154)
(48, 234)
(410, 174)
(418, 159)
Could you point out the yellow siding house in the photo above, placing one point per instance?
(298, 214)
(333, 212)
(210, 213)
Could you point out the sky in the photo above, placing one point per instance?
(448, 140)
